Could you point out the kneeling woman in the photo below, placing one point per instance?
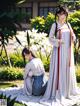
(34, 78)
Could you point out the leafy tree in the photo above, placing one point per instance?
(74, 19)
(8, 24)
(71, 4)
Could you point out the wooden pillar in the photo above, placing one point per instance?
(35, 9)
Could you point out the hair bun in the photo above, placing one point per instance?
(60, 9)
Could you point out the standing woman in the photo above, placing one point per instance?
(62, 78)
(34, 81)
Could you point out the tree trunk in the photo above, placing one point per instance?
(8, 58)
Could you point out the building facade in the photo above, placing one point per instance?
(35, 8)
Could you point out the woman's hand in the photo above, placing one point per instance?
(30, 74)
(57, 42)
(60, 42)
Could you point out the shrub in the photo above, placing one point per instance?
(74, 19)
(48, 22)
(17, 60)
(46, 66)
(46, 62)
(38, 23)
(3, 59)
(7, 73)
(78, 73)
(43, 24)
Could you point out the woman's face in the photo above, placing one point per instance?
(62, 16)
(27, 56)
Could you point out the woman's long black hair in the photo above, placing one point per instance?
(27, 51)
(60, 9)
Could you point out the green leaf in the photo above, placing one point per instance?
(28, 39)
(18, 40)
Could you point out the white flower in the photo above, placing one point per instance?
(38, 41)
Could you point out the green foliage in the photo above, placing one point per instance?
(10, 102)
(74, 19)
(3, 59)
(17, 60)
(7, 28)
(62, 1)
(43, 24)
(71, 4)
(78, 73)
(48, 22)
(18, 16)
(46, 65)
(38, 23)
(77, 55)
(28, 39)
(46, 62)
(9, 21)
(7, 73)
(7, 84)
(19, 104)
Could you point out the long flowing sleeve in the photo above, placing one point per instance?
(72, 33)
(27, 80)
(52, 38)
(27, 70)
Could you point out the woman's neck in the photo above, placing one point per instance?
(61, 22)
(31, 58)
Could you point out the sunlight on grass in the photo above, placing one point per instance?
(18, 104)
(6, 85)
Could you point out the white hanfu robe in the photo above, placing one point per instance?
(65, 79)
(34, 68)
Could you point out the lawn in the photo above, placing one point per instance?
(5, 84)
(18, 104)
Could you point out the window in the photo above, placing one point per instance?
(43, 11)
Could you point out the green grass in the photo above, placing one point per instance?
(19, 104)
(6, 85)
